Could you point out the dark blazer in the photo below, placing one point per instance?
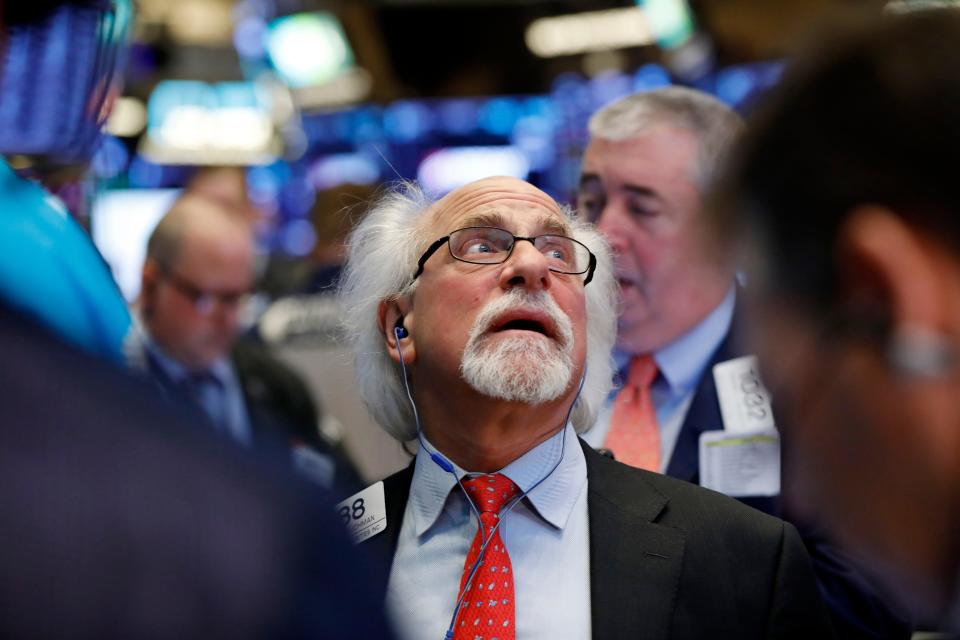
(857, 609)
(280, 407)
(124, 517)
(670, 560)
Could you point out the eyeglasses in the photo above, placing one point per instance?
(204, 301)
(492, 245)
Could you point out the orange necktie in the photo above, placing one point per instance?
(634, 436)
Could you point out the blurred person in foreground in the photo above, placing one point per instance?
(122, 517)
(847, 186)
(647, 171)
(497, 307)
(198, 271)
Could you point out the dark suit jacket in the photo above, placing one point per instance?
(857, 609)
(281, 409)
(124, 518)
(670, 560)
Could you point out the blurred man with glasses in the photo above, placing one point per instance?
(197, 274)
(481, 325)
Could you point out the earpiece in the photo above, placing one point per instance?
(399, 330)
(919, 352)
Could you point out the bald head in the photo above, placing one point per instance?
(199, 265)
(193, 217)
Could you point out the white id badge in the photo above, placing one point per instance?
(744, 401)
(364, 514)
(741, 464)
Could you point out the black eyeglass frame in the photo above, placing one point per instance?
(432, 249)
(203, 301)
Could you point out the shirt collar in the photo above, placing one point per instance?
(553, 499)
(681, 362)
(174, 369)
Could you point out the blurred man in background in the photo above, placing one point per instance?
(198, 272)
(650, 163)
(122, 518)
(847, 185)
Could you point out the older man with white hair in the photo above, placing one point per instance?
(482, 324)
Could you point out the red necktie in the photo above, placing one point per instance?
(487, 610)
(634, 436)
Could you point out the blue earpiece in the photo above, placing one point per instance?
(399, 330)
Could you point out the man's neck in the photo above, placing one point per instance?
(480, 434)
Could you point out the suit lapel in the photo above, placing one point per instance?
(396, 491)
(703, 415)
(635, 564)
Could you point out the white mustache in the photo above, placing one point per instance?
(520, 299)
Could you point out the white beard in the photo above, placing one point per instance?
(531, 369)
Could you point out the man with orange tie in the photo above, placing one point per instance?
(481, 325)
(650, 163)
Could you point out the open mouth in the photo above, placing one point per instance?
(525, 320)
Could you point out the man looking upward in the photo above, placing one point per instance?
(494, 303)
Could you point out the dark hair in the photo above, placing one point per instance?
(873, 117)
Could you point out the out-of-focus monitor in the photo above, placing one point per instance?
(121, 224)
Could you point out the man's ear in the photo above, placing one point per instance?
(394, 318)
(894, 270)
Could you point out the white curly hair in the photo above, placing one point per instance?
(382, 254)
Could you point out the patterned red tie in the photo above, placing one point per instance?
(634, 436)
(487, 611)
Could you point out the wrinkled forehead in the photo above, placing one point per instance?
(501, 202)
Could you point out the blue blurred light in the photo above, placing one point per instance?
(405, 121)
(541, 107)
(498, 115)
(459, 117)
(366, 125)
(567, 83)
(609, 86)
(263, 184)
(344, 168)
(298, 237)
(145, 174)
(110, 159)
(297, 196)
(533, 135)
(735, 84)
(650, 76)
(249, 37)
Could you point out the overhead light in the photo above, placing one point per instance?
(128, 118)
(589, 31)
(350, 86)
(201, 22)
(446, 169)
(669, 20)
(196, 123)
(308, 49)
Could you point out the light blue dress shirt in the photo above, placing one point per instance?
(681, 364)
(222, 402)
(546, 535)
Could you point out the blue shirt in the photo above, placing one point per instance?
(222, 399)
(51, 271)
(546, 535)
(681, 364)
